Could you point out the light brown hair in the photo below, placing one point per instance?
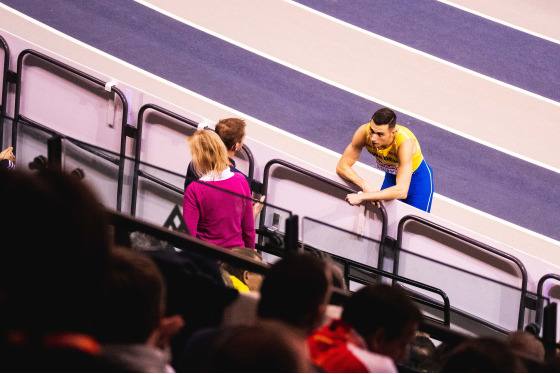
(209, 153)
(231, 131)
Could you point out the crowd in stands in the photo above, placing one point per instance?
(71, 300)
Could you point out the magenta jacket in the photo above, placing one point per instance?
(219, 217)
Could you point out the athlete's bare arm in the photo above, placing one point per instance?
(349, 158)
(404, 175)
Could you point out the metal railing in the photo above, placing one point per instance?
(299, 169)
(471, 241)
(540, 286)
(350, 265)
(19, 117)
(5, 71)
(138, 172)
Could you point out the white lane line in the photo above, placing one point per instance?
(421, 53)
(500, 220)
(493, 19)
(151, 76)
(361, 94)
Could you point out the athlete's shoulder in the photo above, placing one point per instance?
(359, 138)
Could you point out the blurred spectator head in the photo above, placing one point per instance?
(252, 280)
(232, 133)
(208, 151)
(421, 350)
(526, 344)
(265, 347)
(296, 290)
(134, 299)
(385, 317)
(56, 243)
(482, 355)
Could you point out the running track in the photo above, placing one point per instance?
(464, 170)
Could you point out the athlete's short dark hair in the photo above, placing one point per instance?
(384, 116)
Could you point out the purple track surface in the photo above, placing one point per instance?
(463, 170)
(465, 39)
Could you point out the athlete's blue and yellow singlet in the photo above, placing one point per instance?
(388, 159)
(421, 189)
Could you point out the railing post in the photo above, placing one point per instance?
(549, 329)
(5, 81)
(54, 155)
(292, 233)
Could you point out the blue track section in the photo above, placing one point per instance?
(465, 39)
(463, 170)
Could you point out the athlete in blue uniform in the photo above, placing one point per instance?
(397, 152)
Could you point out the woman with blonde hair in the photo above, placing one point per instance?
(222, 218)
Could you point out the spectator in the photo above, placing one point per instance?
(195, 289)
(296, 290)
(52, 270)
(482, 355)
(232, 133)
(241, 279)
(132, 325)
(421, 352)
(7, 159)
(377, 323)
(210, 213)
(265, 347)
(526, 345)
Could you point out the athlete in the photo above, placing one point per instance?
(397, 152)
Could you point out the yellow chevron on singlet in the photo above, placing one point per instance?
(387, 159)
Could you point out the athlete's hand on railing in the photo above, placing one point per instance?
(354, 198)
(357, 198)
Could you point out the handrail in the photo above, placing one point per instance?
(127, 223)
(446, 309)
(76, 142)
(412, 282)
(139, 127)
(540, 285)
(161, 182)
(6, 68)
(465, 238)
(18, 116)
(358, 236)
(329, 182)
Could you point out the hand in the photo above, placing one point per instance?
(257, 207)
(353, 199)
(7, 154)
(366, 187)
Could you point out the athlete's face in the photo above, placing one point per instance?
(381, 135)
